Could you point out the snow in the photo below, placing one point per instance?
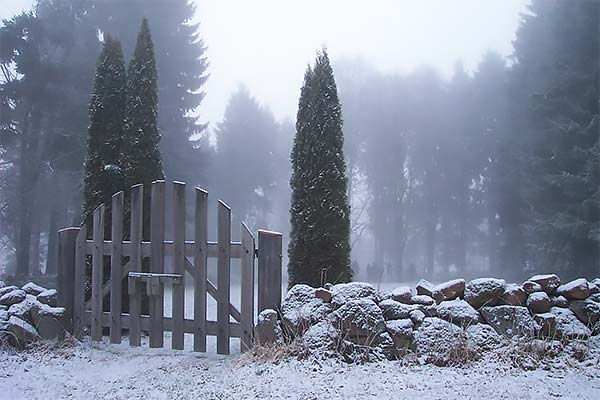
(103, 371)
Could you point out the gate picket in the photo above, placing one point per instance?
(157, 263)
(116, 267)
(135, 265)
(223, 274)
(178, 301)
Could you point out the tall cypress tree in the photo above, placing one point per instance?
(141, 154)
(105, 134)
(319, 248)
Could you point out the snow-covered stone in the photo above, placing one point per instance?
(33, 289)
(402, 294)
(2, 284)
(425, 288)
(50, 328)
(401, 332)
(435, 337)
(48, 297)
(24, 308)
(323, 294)
(509, 320)
(548, 282)
(568, 326)
(588, 312)
(483, 336)
(484, 291)
(417, 317)
(358, 318)
(392, 309)
(13, 297)
(559, 301)
(3, 315)
(595, 297)
(449, 290)
(538, 302)
(458, 312)
(300, 309)
(22, 332)
(422, 299)
(345, 292)
(514, 295)
(267, 329)
(577, 289)
(7, 289)
(594, 288)
(532, 287)
(546, 324)
(321, 336)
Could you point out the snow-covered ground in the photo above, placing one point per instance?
(103, 371)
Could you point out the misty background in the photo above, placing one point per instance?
(434, 98)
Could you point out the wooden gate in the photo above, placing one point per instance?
(187, 256)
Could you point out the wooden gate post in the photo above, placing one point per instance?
(66, 272)
(269, 270)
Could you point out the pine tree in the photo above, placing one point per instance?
(319, 246)
(140, 156)
(103, 175)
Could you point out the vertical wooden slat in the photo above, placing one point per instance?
(67, 239)
(157, 252)
(178, 264)
(247, 289)
(116, 267)
(223, 273)
(200, 253)
(97, 273)
(135, 264)
(79, 290)
(269, 270)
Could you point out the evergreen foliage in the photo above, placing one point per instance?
(319, 247)
(140, 155)
(103, 175)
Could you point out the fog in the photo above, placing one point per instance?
(452, 117)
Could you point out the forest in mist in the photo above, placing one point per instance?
(492, 170)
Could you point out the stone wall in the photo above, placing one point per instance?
(28, 314)
(480, 315)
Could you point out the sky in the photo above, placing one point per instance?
(267, 44)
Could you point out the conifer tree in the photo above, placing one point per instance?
(141, 157)
(105, 133)
(319, 248)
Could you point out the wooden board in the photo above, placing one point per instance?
(157, 261)
(247, 289)
(116, 267)
(97, 274)
(178, 292)
(135, 264)
(199, 270)
(223, 275)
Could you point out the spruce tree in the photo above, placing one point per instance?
(105, 133)
(140, 153)
(319, 248)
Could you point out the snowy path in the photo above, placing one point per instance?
(103, 371)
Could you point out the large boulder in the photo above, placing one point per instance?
(577, 289)
(538, 302)
(401, 332)
(588, 312)
(425, 288)
(402, 294)
(548, 282)
(13, 297)
(319, 337)
(392, 309)
(484, 292)
(568, 326)
(345, 292)
(458, 312)
(33, 289)
(483, 336)
(449, 290)
(21, 332)
(435, 338)
(509, 320)
(514, 295)
(358, 319)
(301, 308)
(48, 297)
(267, 329)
